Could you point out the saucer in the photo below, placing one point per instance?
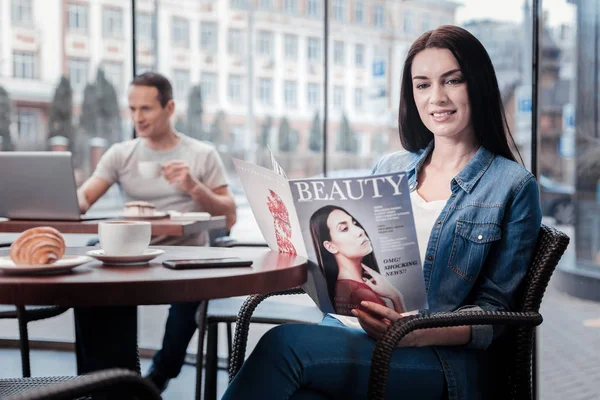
(157, 215)
(65, 264)
(148, 255)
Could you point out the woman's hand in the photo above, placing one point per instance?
(384, 288)
(375, 320)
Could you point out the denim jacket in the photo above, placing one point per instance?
(479, 251)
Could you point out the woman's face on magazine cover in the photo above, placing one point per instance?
(347, 238)
(440, 93)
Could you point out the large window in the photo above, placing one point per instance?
(265, 43)
(145, 27)
(338, 53)
(114, 74)
(265, 91)
(181, 32)
(289, 94)
(208, 37)
(235, 42)
(313, 8)
(77, 17)
(112, 22)
(78, 73)
(181, 84)
(208, 83)
(24, 65)
(21, 12)
(313, 52)
(234, 89)
(339, 9)
(290, 46)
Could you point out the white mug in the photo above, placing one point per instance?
(149, 169)
(124, 238)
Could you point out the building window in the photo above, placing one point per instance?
(77, 17)
(234, 88)
(338, 10)
(181, 81)
(338, 97)
(313, 94)
(290, 95)
(265, 43)
(290, 47)
(313, 8)
(378, 16)
(408, 22)
(235, 44)
(265, 91)
(359, 12)
(265, 4)
(78, 73)
(239, 4)
(208, 85)
(290, 6)
(181, 32)
(426, 23)
(141, 68)
(144, 26)
(338, 53)
(208, 37)
(313, 52)
(359, 55)
(112, 22)
(24, 65)
(114, 73)
(358, 98)
(21, 12)
(28, 123)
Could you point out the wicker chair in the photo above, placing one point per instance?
(214, 312)
(516, 347)
(58, 388)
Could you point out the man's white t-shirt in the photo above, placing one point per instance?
(120, 165)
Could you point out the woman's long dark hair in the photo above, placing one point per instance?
(487, 111)
(319, 232)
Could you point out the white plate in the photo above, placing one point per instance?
(148, 255)
(65, 264)
(157, 215)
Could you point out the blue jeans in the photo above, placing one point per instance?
(331, 361)
(179, 329)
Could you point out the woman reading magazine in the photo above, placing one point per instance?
(477, 237)
(345, 254)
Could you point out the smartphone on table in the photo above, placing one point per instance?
(207, 263)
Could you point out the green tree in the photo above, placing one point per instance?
(88, 120)
(218, 129)
(109, 114)
(194, 113)
(315, 138)
(288, 138)
(5, 106)
(347, 141)
(61, 112)
(265, 132)
(180, 126)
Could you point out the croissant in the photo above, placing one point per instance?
(35, 246)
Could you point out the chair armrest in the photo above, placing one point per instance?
(386, 344)
(242, 326)
(122, 379)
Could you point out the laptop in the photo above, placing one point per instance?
(39, 185)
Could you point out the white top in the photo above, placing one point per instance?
(120, 165)
(426, 214)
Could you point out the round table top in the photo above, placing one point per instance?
(95, 284)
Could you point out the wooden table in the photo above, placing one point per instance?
(94, 284)
(160, 227)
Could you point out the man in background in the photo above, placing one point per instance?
(192, 179)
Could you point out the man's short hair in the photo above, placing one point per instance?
(160, 82)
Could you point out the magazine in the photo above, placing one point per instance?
(357, 233)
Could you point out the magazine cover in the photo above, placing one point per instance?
(361, 233)
(357, 233)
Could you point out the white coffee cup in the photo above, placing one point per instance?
(124, 238)
(149, 169)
